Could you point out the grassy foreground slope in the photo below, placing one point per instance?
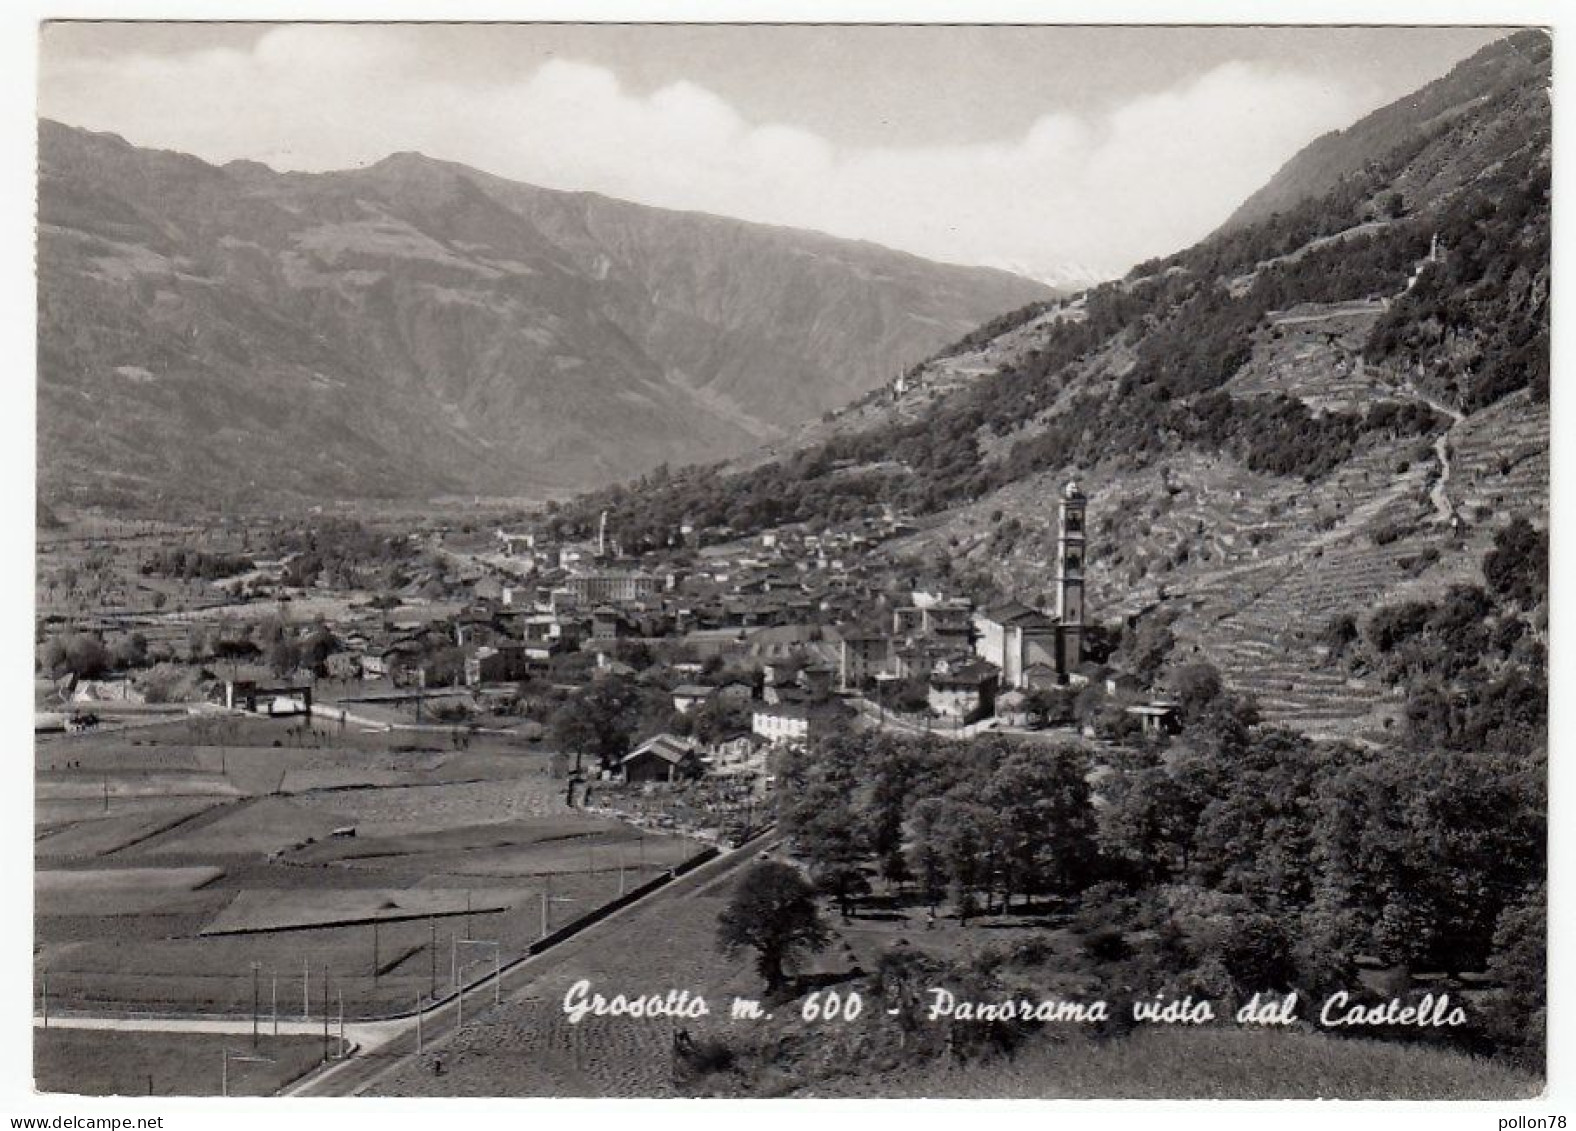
(1223, 1065)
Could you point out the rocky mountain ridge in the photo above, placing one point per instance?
(416, 328)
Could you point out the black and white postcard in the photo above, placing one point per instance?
(781, 560)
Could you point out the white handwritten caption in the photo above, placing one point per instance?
(1338, 1010)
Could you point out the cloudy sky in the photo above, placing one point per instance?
(1047, 150)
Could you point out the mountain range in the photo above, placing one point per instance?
(418, 328)
(1336, 402)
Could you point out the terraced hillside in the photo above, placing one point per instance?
(1301, 417)
(1256, 564)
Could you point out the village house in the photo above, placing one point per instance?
(343, 665)
(1157, 718)
(735, 691)
(268, 698)
(1012, 709)
(608, 623)
(796, 724)
(662, 758)
(861, 657)
(496, 663)
(687, 696)
(962, 690)
(513, 542)
(817, 679)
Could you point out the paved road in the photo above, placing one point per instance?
(396, 1039)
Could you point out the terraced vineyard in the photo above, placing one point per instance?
(1259, 563)
(1314, 352)
(1500, 458)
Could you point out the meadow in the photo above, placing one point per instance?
(97, 1062)
(172, 860)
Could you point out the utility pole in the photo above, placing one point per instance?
(255, 1003)
(341, 1023)
(467, 915)
(432, 954)
(325, 1013)
(306, 991)
(44, 996)
(374, 951)
(273, 997)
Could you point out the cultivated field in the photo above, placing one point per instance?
(97, 1062)
(368, 865)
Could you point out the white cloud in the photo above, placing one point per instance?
(1153, 175)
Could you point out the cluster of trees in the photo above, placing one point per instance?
(612, 713)
(1240, 858)
(82, 654)
(1476, 325)
(285, 648)
(345, 554)
(1472, 663)
(1262, 860)
(603, 718)
(191, 565)
(981, 822)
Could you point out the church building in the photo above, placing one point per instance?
(1027, 645)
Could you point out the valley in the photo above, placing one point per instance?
(419, 551)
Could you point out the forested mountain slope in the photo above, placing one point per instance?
(1299, 418)
(417, 327)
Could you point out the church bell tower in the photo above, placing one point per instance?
(1070, 559)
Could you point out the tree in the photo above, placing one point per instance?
(599, 719)
(130, 651)
(1196, 686)
(1518, 565)
(1050, 706)
(820, 817)
(1147, 822)
(773, 913)
(1518, 1011)
(719, 719)
(1044, 824)
(81, 654)
(283, 656)
(923, 850)
(1149, 646)
(1418, 858)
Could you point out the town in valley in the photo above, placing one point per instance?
(478, 625)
